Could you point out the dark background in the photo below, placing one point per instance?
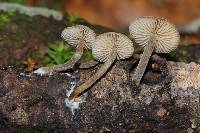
(117, 14)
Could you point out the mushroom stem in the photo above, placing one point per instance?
(95, 77)
(71, 63)
(88, 64)
(148, 50)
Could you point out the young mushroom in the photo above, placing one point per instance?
(79, 36)
(107, 47)
(154, 34)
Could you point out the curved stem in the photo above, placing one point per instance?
(69, 64)
(94, 78)
(75, 58)
(143, 62)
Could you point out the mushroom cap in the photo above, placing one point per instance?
(107, 42)
(74, 34)
(165, 34)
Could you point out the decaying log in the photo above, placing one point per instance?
(163, 101)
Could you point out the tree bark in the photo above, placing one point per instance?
(163, 102)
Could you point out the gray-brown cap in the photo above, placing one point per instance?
(107, 42)
(74, 34)
(165, 34)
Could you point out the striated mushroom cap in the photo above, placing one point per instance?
(107, 42)
(74, 34)
(165, 34)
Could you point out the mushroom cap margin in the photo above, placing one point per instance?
(74, 34)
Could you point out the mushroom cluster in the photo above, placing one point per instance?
(153, 33)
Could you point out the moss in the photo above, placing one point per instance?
(73, 18)
(181, 54)
(59, 53)
(5, 16)
(87, 56)
(15, 1)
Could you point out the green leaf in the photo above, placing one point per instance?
(4, 19)
(15, 1)
(6, 16)
(73, 18)
(61, 47)
(58, 53)
(68, 56)
(53, 47)
(87, 55)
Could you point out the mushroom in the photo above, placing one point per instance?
(79, 36)
(154, 34)
(107, 47)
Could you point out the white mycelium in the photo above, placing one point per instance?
(73, 104)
